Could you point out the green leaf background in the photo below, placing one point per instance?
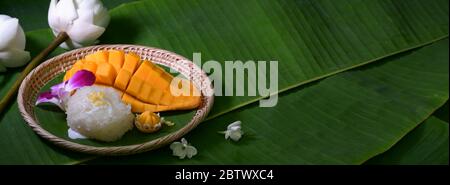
(359, 80)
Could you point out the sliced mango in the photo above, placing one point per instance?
(98, 57)
(105, 74)
(143, 70)
(76, 67)
(136, 105)
(122, 79)
(134, 88)
(143, 85)
(115, 58)
(131, 62)
(144, 92)
(90, 66)
(155, 96)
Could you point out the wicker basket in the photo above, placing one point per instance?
(51, 68)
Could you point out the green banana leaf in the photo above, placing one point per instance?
(310, 39)
(442, 113)
(426, 144)
(362, 113)
(422, 145)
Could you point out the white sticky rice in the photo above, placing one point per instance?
(106, 122)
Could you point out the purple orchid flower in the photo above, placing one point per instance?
(59, 93)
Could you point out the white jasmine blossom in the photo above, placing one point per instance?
(183, 149)
(83, 20)
(233, 131)
(12, 43)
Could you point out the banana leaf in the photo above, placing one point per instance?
(442, 113)
(310, 39)
(426, 144)
(423, 145)
(345, 119)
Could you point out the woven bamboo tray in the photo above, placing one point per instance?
(51, 68)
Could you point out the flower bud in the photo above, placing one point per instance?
(83, 20)
(12, 43)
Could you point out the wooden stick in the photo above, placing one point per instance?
(34, 62)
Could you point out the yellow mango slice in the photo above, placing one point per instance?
(90, 66)
(143, 70)
(145, 91)
(155, 96)
(136, 105)
(105, 74)
(70, 72)
(122, 79)
(115, 58)
(98, 57)
(189, 96)
(131, 62)
(166, 99)
(135, 85)
(143, 85)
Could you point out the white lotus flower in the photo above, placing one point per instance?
(234, 131)
(83, 20)
(183, 149)
(12, 43)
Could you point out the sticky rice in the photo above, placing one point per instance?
(98, 112)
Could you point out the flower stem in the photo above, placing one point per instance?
(34, 62)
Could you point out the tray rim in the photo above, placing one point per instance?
(52, 67)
